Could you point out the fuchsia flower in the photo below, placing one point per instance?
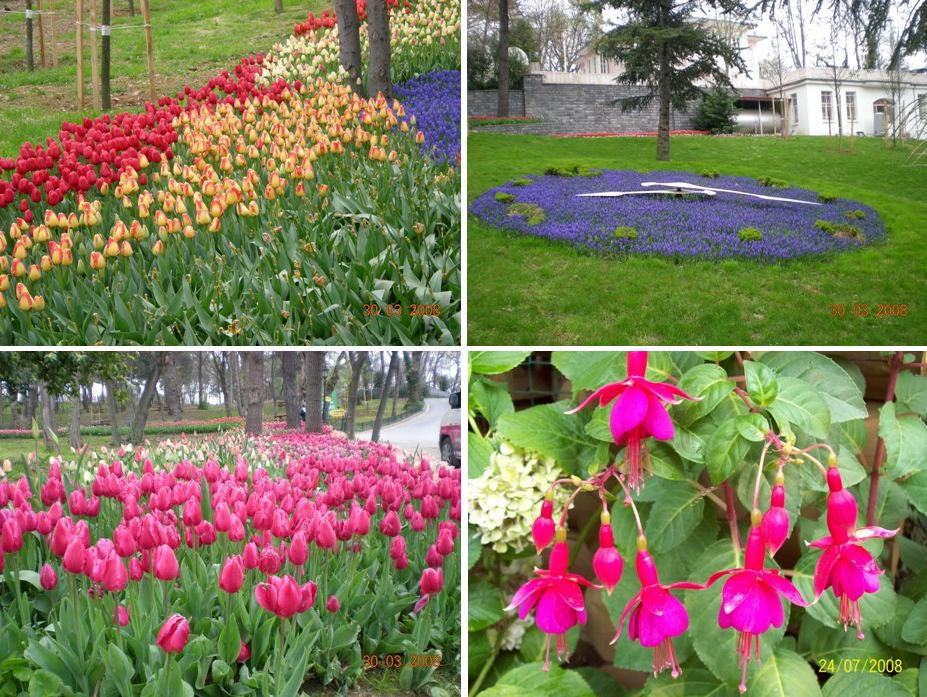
(607, 561)
(638, 413)
(775, 523)
(542, 531)
(556, 597)
(750, 600)
(846, 567)
(656, 616)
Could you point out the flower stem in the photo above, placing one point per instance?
(895, 368)
(583, 534)
(637, 517)
(478, 683)
(732, 520)
(280, 647)
(759, 476)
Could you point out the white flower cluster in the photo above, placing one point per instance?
(506, 498)
(515, 632)
(315, 54)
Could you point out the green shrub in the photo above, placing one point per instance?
(827, 198)
(716, 112)
(711, 174)
(532, 213)
(624, 232)
(841, 230)
(770, 181)
(855, 215)
(749, 233)
(522, 181)
(572, 171)
(503, 197)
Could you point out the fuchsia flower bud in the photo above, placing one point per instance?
(607, 561)
(543, 529)
(841, 505)
(775, 522)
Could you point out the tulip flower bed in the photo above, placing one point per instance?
(229, 566)
(154, 427)
(270, 206)
(766, 559)
(676, 226)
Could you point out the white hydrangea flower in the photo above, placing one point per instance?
(506, 498)
(511, 640)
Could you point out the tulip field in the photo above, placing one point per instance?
(230, 565)
(271, 205)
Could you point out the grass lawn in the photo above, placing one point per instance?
(530, 291)
(192, 41)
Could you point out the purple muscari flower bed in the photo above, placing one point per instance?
(695, 226)
(434, 99)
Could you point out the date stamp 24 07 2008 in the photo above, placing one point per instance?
(860, 665)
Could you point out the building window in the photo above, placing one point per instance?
(851, 106)
(794, 107)
(603, 64)
(827, 107)
(922, 106)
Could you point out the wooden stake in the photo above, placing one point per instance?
(79, 35)
(30, 58)
(105, 55)
(146, 15)
(94, 56)
(51, 34)
(38, 4)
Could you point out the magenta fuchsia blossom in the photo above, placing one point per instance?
(846, 567)
(638, 413)
(654, 615)
(556, 596)
(750, 600)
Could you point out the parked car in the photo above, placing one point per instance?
(449, 436)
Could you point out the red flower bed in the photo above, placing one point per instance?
(327, 20)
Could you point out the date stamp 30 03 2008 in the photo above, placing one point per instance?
(860, 665)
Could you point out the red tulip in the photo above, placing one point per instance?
(232, 575)
(47, 577)
(173, 634)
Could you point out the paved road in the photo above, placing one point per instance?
(420, 431)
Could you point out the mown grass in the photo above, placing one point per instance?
(527, 291)
(192, 42)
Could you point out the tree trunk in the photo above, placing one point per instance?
(220, 364)
(396, 390)
(144, 402)
(349, 48)
(201, 399)
(315, 366)
(278, 6)
(502, 61)
(663, 129)
(290, 368)
(384, 395)
(378, 78)
(254, 419)
(358, 360)
(234, 359)
(113, 412)
(30, 404)
(172, 396)
(48, 415)
(74, 432)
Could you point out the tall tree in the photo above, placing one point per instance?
(74, 430)
(220, 365)
(113, 409)
(48, 413)
(384, 394)
(254, 416)
(349, 48)
(502, 61)
(171, 382)
(289, 366)
(315, 365)
(200, 395)
(358, 361)
(152, 364)
(665, 50)
(378, 76)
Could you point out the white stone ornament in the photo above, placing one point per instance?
(686, 189)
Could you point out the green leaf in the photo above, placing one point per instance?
(220, 670)
(905, 442)
(851, 472)
(117, 665)
(478, 652)
(492, 399)
(479, 450)
(842, 396)
(695, 682)
(229, 641)
(753, 427)
(862, 684)
(803, 406)
(548, 430)
(915, 488)
(890, 632)
(762, 386)
(673, 517)
(495, 362)
(46, 684)
(589, 370)
(725, 451)
(530, 679)
(474, 548)
(817, 641)
(707, 381)
(914, 629)
(911, 392)
(534, 643)
(784, 674)
(484, 606)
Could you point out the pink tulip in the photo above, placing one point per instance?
(397, 547)
(433, 557)
(332, 604)
(250, 556)
(244, 653)
(173, 635)
(164, 563)
(47, 577)
(390, 525)
(430, 584)
(115, 576)
(750, 600)
(73, 560)
(11, 536)
(121, 615)
(556, 597)
(638, 413)
(283, 596)
(298, 551)
(232, 575)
